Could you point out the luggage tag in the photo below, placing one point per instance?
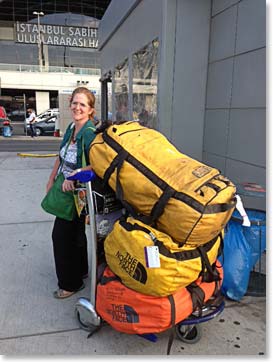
(241, 209)
(152, 257)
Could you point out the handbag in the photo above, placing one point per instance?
(57, 202)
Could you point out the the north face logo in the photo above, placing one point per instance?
(123, 313)
(132, 267)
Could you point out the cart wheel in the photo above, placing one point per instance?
(189, 333)
(84, 325)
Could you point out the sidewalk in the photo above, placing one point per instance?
(32, 322)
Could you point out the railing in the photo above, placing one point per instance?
(48, 69)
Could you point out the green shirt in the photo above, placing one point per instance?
(84, 139)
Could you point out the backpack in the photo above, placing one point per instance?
(160, 186)
(148, 261)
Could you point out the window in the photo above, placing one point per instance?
(145, 79)
(121, 87)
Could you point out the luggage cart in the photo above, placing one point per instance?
(188, 330)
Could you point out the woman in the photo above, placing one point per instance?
(69, 239)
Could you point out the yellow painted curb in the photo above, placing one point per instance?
(37, 155)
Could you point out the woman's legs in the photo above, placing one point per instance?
(70, 252)
(82, 247)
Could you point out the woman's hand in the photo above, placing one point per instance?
(68, 185)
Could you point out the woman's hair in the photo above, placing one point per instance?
(90, 96)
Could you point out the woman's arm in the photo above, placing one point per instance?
(88, 167)
(68, 185)
(53, 174)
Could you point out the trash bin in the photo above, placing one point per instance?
(244, 270)
(256, 238)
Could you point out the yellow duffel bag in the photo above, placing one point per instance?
(160, 186)
(149, 262)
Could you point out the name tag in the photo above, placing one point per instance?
(152, 257)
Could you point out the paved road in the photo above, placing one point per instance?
(26, 143)
(20, 142)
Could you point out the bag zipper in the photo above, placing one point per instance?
(134, 130)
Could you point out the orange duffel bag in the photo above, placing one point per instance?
(131, 312)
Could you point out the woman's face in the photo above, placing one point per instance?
(80, 108)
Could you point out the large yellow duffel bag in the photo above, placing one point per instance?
(149, 262)
(184, 198)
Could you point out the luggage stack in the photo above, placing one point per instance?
(166, 248)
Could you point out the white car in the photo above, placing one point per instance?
(43, 116)
(48, 113)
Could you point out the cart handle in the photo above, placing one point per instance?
(83, 176)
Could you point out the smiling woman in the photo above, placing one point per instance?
(69, 239)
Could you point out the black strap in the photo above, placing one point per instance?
(130, 227)
(179, 255)
(173, 316)
(117, 164)
(122, 157)
(197, 296)
(221, 247)
(209, 272)
(104, 280)
(214, 209)
(110, 170)
(159, 206)
(186, 254)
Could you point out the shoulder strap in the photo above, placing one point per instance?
(65, 152)
(83, 151)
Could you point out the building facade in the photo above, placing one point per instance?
(196, 71)
(47, 49)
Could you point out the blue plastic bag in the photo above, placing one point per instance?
(236, 261)
(6, 131)
(255, 234)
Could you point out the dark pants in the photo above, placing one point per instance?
(70, 252)
(32, 130)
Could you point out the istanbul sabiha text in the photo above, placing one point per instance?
(56, 35)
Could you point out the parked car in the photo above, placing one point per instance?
(44, 116)
(48, 113)
(4, 120)
(45, 127)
